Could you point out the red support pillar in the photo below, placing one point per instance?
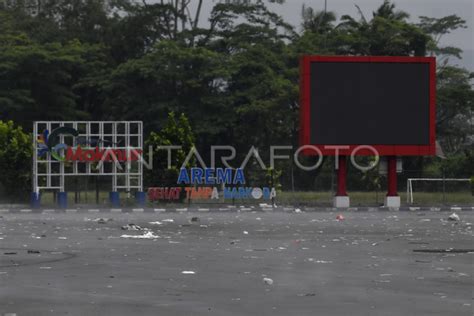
(341, 176)
(392, 175)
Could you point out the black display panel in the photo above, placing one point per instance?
(366, 103)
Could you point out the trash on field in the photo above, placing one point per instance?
(102, 220)
(246, 232)
(195, 219)
(169, 220)
(33, 251)
(155, 223)
(131, 227)
(188, 272)
(147, 235)
(268, 281)
(340, 217)
(454, 217)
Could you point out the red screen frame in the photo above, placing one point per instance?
(383, 150)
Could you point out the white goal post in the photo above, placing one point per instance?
(411, 180)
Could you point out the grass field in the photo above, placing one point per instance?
(372, 198)
(285, 198)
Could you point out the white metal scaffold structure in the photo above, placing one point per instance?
(49, 173)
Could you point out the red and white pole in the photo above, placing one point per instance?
(341, 199)
(392, 199)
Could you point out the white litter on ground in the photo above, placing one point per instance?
(188, 272)
(454, 217)
(147, 235)
(268, 281)
(169, 220)
(131, 227)
(155, 223)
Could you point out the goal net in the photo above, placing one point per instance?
(444, 190)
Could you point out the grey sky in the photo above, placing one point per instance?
(462, 38)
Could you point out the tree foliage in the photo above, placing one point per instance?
(15, 161)
(167, 161)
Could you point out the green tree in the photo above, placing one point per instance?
(388, 33)
(320, 22)
(171, 77)
(437, 28)
(15, 161)
(51, 81)
(176, 132)
(455, 105)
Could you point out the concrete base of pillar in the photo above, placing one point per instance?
(392, 201)
(341, 201)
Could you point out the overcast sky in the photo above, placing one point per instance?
(462, 38)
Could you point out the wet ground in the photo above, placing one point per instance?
(215, 264)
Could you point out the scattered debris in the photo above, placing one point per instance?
(147, 235)
(188, 272)
(103, 220)
(169, 220)
(318, 261)
(449, 250)
(268, 281)
(340, 217)
(298, 210)
(9, 253)
(454, 217)
(246, 232)
(306, 294)
(155, 223)
(33, 251)
(195, 219)
(131, 227)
